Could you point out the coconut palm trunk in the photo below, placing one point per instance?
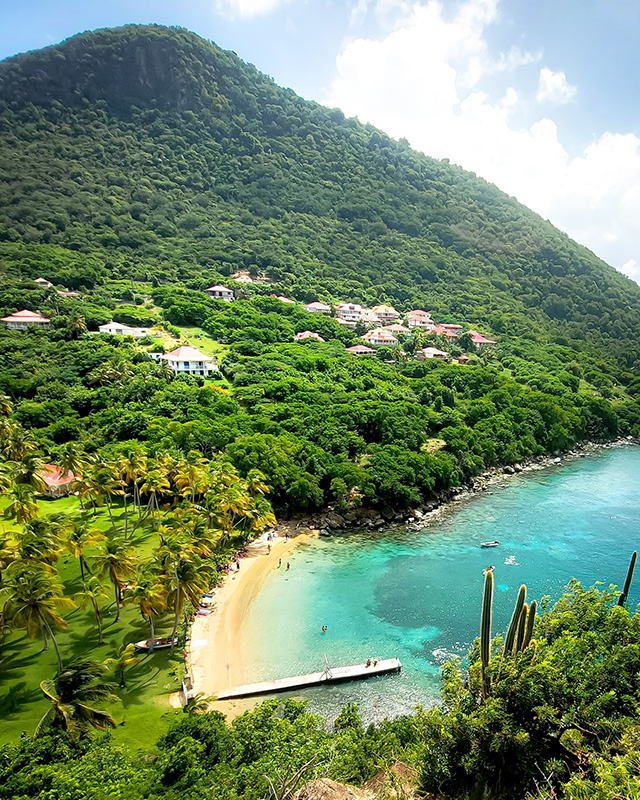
(47, 628)
(176, 617)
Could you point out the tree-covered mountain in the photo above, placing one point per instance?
(154, 154)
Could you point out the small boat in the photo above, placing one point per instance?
(489, 544)
(158, 644)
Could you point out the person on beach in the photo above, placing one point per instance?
(368, 664)
(288, 565)
(269, 548)
(279, 563)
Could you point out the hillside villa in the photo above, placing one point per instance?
(43, 283)
(58, 482)
(397, 328)
(318, 308)
(352, 313)
(243, 278)
(118, 329)
(431, 352)
(480, 341)
(420, 319)
(187, 360)
(299, 337)
(385, 313)
(379, 336)
(360, 350)
(220, 293)
(24, 319)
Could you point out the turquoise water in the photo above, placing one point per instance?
(417, 594)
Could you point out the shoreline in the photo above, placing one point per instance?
(214, 650)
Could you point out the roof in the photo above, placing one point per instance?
(343, 322)
(418, 312)
(433, 351)
(397, 328)
(243, 279)
(451, 326)
(282, 298)
(308, 335)
(186, 353)
(380, 334)
(442, 330)
(478, 338)
(383, 309)
(360, 348)
(317, 304)
(52, 476)
(25, 316)
(219, 289)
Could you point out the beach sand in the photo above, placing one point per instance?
(215, 647)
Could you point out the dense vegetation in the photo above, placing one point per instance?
(142, 164)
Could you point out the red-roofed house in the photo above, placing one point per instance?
(307, 335)
(480, 341)
(221, 293)
(24, 319)
(360, 350)
(58, 483)
(397, 328)
(380, 336)
(449, 331)
(243, 278)
(318, 308)
(420, 319)
(462, 359)
(187, 360)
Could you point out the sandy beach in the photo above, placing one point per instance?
(215, 649)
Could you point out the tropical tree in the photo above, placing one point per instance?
(155, 483)
(106, 484)
(39, 541)
(133, 469)
(198, 704)
(115, 559)
(76, 324)
(81, 535)
(27, 472)
(17, 442)
(125, 658)
(72, 458)
(22, 507)
(92, 593)
(149, 594)
(187, 578)
(72, 694)
(33, 600)
(5, 405)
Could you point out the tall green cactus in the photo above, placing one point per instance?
(531, 618)
(522, 623)
(627, 584)
(513, 625)
(485, 630)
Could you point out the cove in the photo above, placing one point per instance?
(417, 594)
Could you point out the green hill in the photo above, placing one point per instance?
(166, 158)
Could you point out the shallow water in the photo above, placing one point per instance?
(417, 594)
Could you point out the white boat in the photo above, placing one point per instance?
(489, 544)
(158, 644)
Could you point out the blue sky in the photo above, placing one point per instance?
(540, 98)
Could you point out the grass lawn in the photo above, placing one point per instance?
(142, 711)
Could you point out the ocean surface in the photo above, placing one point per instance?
(417, 594)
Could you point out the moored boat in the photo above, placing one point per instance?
(157, 644)
(489, 544)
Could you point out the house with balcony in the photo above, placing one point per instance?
(118, 329)
(481, 342)
(352, 313)
(384, 313)
(318, 308)
(220, 293)
(22, 320)
(397, 328)
(380, 336)
(360, 350)
(431, 352)
(420, 319)
(187, 360)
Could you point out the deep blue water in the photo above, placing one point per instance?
(417, 594)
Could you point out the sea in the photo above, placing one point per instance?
(416, 594)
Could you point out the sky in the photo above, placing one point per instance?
(540, 98)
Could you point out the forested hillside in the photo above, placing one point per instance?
(157, 155)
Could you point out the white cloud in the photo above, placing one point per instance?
(553, 88)
(423, 81)
(246, 8)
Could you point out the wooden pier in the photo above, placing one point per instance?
(328, 676)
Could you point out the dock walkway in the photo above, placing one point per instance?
(335, 675)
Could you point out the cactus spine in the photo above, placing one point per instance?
(513, 625)
(627, 584)
(531, 618)
(485, 630)
(522, 622)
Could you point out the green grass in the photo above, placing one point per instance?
(142, 712)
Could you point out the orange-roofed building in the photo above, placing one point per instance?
(58, 482)
(24, 319)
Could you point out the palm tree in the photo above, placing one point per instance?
(34, 598)
(72, 694)
(72, 458)
(149, 594)
(190, 479)
(18, 442)
(5, 405)
(117, 560)
(187, 579)
(133, 468)
(76, 324)
(39, 541)
(105, 484)
(82, 534)
(125, 657)
(256, 483)
(22, 507)
(91, 594)
(198, 704)
(27, 472)
(155, 482)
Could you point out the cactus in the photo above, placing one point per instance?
(485, 630)
(522, 622)
(531, 618)
(627, 584)
(513, 625)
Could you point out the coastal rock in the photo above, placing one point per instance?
(334, 521)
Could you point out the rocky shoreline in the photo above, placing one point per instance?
(331, 521)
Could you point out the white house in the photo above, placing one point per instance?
(24, 319)
(187, 360)
(480, 341)
(360, 350)
(220, 293)
(397, 328)
(299, 337)
(380, 336)
(43, 283)
(118, 329)
(431, 352)
(385, 313)
(420, 319)
(318, 308)
(352, 313)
